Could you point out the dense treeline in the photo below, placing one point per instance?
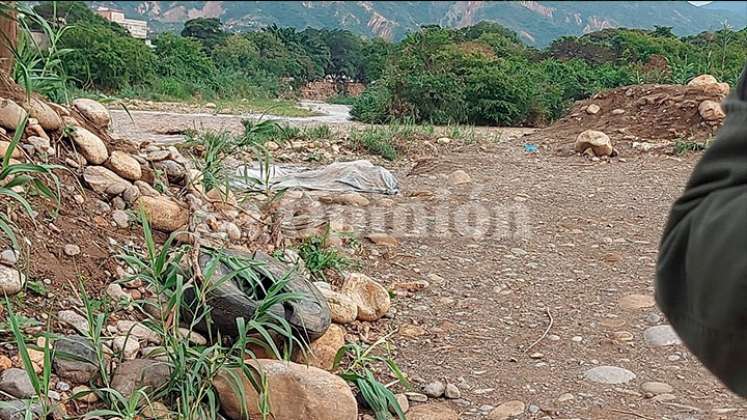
(206, 61)
(481, 74)
(485, 75)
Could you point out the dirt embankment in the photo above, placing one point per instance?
(642, 113)
(322, 90)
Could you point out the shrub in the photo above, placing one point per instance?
(373, 106)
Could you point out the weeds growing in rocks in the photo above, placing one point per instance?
(210, 149)
(39, 381)
(684, 146)
(320, 258)
(17, 179)
(283, 133)
(182, 307)
(40, 69)
(377, 141)
(358, 371)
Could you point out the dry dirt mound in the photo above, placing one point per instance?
(640, 113)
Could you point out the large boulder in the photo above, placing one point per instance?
(90, 146)
(94, 112)
(295, 392)
(125, 165)
(597, 141)
(150, 374)
(321, 353)
(103, 180)
(711, 111)
(11, 114)
(371, 297)
(163, 213)
(47, 117)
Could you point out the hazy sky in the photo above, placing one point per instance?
(699, 3)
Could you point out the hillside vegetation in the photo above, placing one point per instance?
(538, 23)
(482, 74)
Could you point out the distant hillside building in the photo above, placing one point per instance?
(136, 28)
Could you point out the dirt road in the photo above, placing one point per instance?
(567, 267)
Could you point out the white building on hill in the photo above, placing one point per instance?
(136, 28)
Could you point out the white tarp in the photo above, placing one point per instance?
(358, 176)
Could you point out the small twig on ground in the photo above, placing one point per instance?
(631, 413)
(549, 326)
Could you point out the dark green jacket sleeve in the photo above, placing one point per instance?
(702, 271)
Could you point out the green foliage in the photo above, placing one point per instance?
(183, 62)
(103, 58)
(484, 75)
(374, 105)
(685, 146)
(319, 257)
(208, 31)
(189, 391)
(39, 381)
(481, 74)
(210, 149)
(39, 68)
(17, 180)
(376, 141)
(358, 371)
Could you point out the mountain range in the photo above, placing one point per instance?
(537, 22)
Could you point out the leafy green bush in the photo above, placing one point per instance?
(373, 106)
(104, 59)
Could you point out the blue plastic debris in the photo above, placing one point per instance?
(531, 148)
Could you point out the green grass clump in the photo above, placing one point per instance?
(377, 141)
(318, 257)
(359, 372)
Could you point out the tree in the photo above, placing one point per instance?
(8, 35)
(209, 31)
(665, 31)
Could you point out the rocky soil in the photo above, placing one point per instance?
(552, 317)
(512, 282)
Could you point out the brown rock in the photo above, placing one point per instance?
(345, 199)
(459, 177)
(632, 302)
(163, 213)
(411, 286)
(507, 410)
(93, 111)
(711, 111)
(90, 146)
(597, 141)
(703, 80)
(4, 145)
(47, 117)
(592, 109)
(125, 165)
(11, 114)
(321, 353)
(342, 307)
(296, 392)
(372, 298)
(140, 373)
(433, 411)
(383, 239)
(103, 180)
